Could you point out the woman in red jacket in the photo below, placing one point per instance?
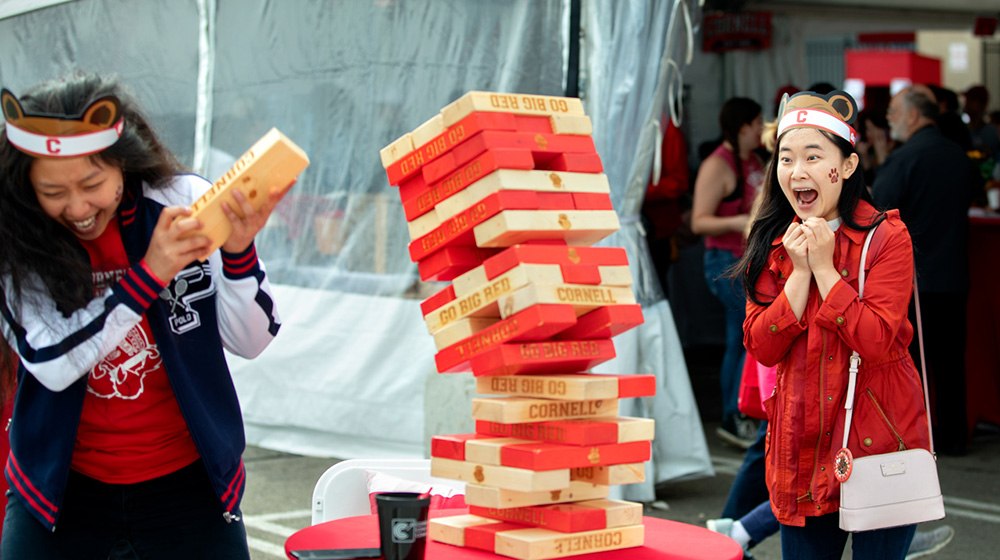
(804, 315)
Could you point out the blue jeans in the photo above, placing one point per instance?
(749, 487)
(729, 291)
(760, 523)
(822, 539)
(174, 516)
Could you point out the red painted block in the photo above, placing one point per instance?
(565, 518)
(557, 253)
(437, 300)
(592, 201)
(542, 147)
(537, 322)
(581, 274)
(457, 230)
(641, 385)
(604, 322)
(562, 356)
(419, 197)
(451, 446)
(570, 432)
(449, 262)
(581, 163)
(414, 161)
(483, 537)
(550, 456)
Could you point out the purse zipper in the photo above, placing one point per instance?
(878, 408)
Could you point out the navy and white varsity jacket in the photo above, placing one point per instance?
(224, 302)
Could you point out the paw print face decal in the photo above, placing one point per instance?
(834, 176)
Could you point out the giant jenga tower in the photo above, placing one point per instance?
(504, 195)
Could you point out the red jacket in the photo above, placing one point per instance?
(806, 412)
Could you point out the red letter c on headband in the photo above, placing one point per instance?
(801, 117)
(52, 145)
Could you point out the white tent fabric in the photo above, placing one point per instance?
(347, 375)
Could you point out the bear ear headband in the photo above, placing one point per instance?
(834, 113)
(57, 136)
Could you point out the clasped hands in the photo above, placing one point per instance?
(810, 245)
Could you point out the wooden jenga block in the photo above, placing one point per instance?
(574, 432)
(271, 164)
(452, 446)
(481, 303)
(535, 323)
(461, 329)
(458, 230)
(548, 456)
(575, 517)
(431, 140)
(396, 149)
(580, 163)
(550, 254)
(539, 544)
(425, 224)
(520, 103)
(610, 474)
(605, 322)
(451, 529)
(569, 386)
(571, 124)
(497, 497)
(483, 537)
(542, 357)
(551, 274)
(441, 297)
(542, 146)
(536, 273)
(418, 197)
(511, 410)
(449, 262)
(576, 227)
(525, 180)
(583, 298)
(512, 478)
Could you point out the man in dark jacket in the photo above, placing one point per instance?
(931, 180)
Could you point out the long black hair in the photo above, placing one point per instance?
(33, 245)
(735, 113)
(775, 213)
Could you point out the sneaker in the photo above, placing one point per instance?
(724, 526)
(739, 431)
(925, 543)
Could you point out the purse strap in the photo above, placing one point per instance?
(855, 362)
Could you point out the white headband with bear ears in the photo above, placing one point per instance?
(833, 113)
(54, 136)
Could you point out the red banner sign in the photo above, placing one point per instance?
(723, 31)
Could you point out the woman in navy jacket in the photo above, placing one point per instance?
(126, 432)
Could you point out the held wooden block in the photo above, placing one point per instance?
(569, 386)
(583, 298)
(512, 478)
(419, 197)
(511, 410)
(271, 164)
(542, 357)
(395, 150)
(539, 544)
(576, 227)
(520, 103)
(498, 497)
(605, 322)
(523, 180)
(611, 474)
(535, 323)
(542, 147)
(449, 262)
(574, 432)
(572, 517)
(451, 529)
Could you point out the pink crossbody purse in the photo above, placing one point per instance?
(889, 489)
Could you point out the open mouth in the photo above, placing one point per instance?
(806, 196)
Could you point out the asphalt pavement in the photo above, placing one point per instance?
(279, 491)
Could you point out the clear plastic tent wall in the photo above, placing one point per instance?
(346, 376)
